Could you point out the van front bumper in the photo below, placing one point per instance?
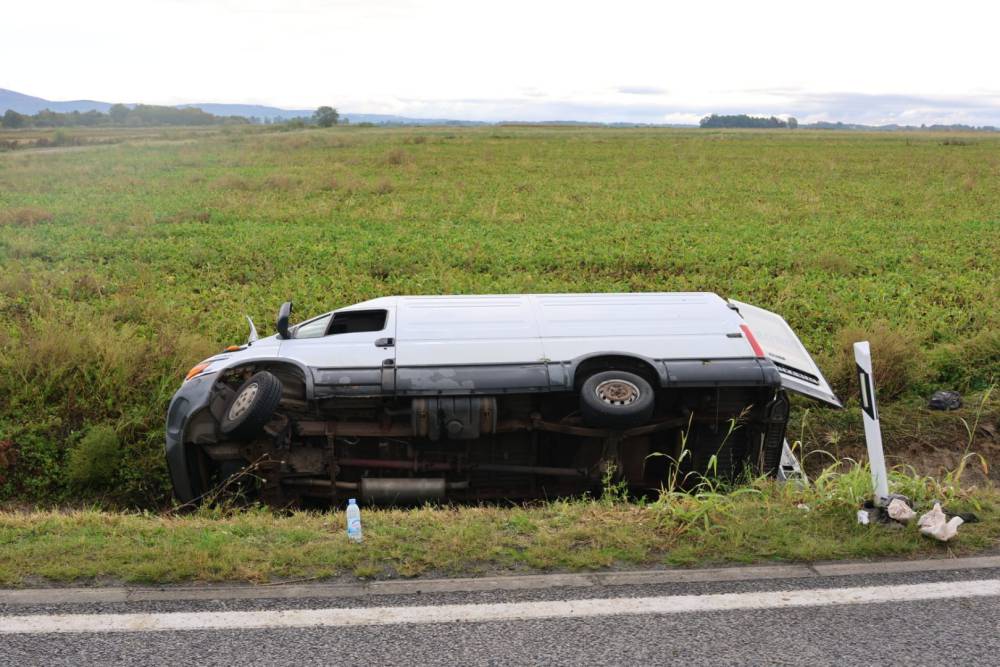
(192, 397)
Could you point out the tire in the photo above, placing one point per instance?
(197, 470)
(616, 399)
(252, 406)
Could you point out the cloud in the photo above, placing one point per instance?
(680, 118)
(642, 90)
(573, 60)
(808, 107)
(876, 109)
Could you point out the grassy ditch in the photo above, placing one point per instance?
(125, 266)
(756, 522)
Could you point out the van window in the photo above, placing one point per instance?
(313, 328)
(356, 321)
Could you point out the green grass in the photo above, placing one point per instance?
(763, 522)
(125, 264)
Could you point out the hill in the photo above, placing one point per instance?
(30, 105)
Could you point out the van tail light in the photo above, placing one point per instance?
(757, 349)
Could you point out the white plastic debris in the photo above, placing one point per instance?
(863, 517)
(935, 524)
(900, 511)
(803, 507)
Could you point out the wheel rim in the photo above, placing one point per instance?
(617, 392)
(243, 402)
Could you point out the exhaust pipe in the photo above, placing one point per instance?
(386, 490)
(410, 490)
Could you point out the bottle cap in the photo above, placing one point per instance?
(352, 501)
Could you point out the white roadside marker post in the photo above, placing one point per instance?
(873, 432)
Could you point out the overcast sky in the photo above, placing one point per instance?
(616, 60)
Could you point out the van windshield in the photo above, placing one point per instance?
(314, 328)
(349, 321)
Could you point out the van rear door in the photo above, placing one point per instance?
(779, 343)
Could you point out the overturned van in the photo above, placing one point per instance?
(411, 398)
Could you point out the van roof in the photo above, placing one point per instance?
(565, 298)
(591, 315)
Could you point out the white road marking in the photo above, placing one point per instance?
(511, 611)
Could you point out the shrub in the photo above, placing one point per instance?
(94, 460)
(293, 124)
(86, 286)
(63, 138)
(279, 182)
(8, 457)
(390, 262)
(26, 216)
(835, 263)
(383, 187)
(349, 185)
(895, 360)
(396, 157)
(186, 215)
(970, 363)
(232, 182)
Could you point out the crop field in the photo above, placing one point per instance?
(125, 264)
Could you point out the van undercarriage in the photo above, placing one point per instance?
(411, 450)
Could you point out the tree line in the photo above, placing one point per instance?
(147, 115)
(119, 115)
(743, 120)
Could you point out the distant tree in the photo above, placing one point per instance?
(741, 120)
(118, 113)
(13, 120)
(326, 116)
(792, 123)
(91, 117)
(47, 118)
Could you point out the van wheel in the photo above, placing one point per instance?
(252, 406)
(616, 399)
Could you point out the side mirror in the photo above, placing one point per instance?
(284, 313)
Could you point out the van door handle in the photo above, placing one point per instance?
(385, 342)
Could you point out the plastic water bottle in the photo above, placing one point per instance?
(353, 521)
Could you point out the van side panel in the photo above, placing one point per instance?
(504, 329)
(461, 331)
(693, 325)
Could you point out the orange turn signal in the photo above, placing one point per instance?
(196, 370)
(234, 348)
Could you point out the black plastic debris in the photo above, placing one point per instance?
(967, 517)
(871, 513)
(945, 400)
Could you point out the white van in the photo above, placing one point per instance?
(413, 398)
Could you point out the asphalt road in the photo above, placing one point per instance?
(879, 618)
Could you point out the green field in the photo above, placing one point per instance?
(125, 264)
